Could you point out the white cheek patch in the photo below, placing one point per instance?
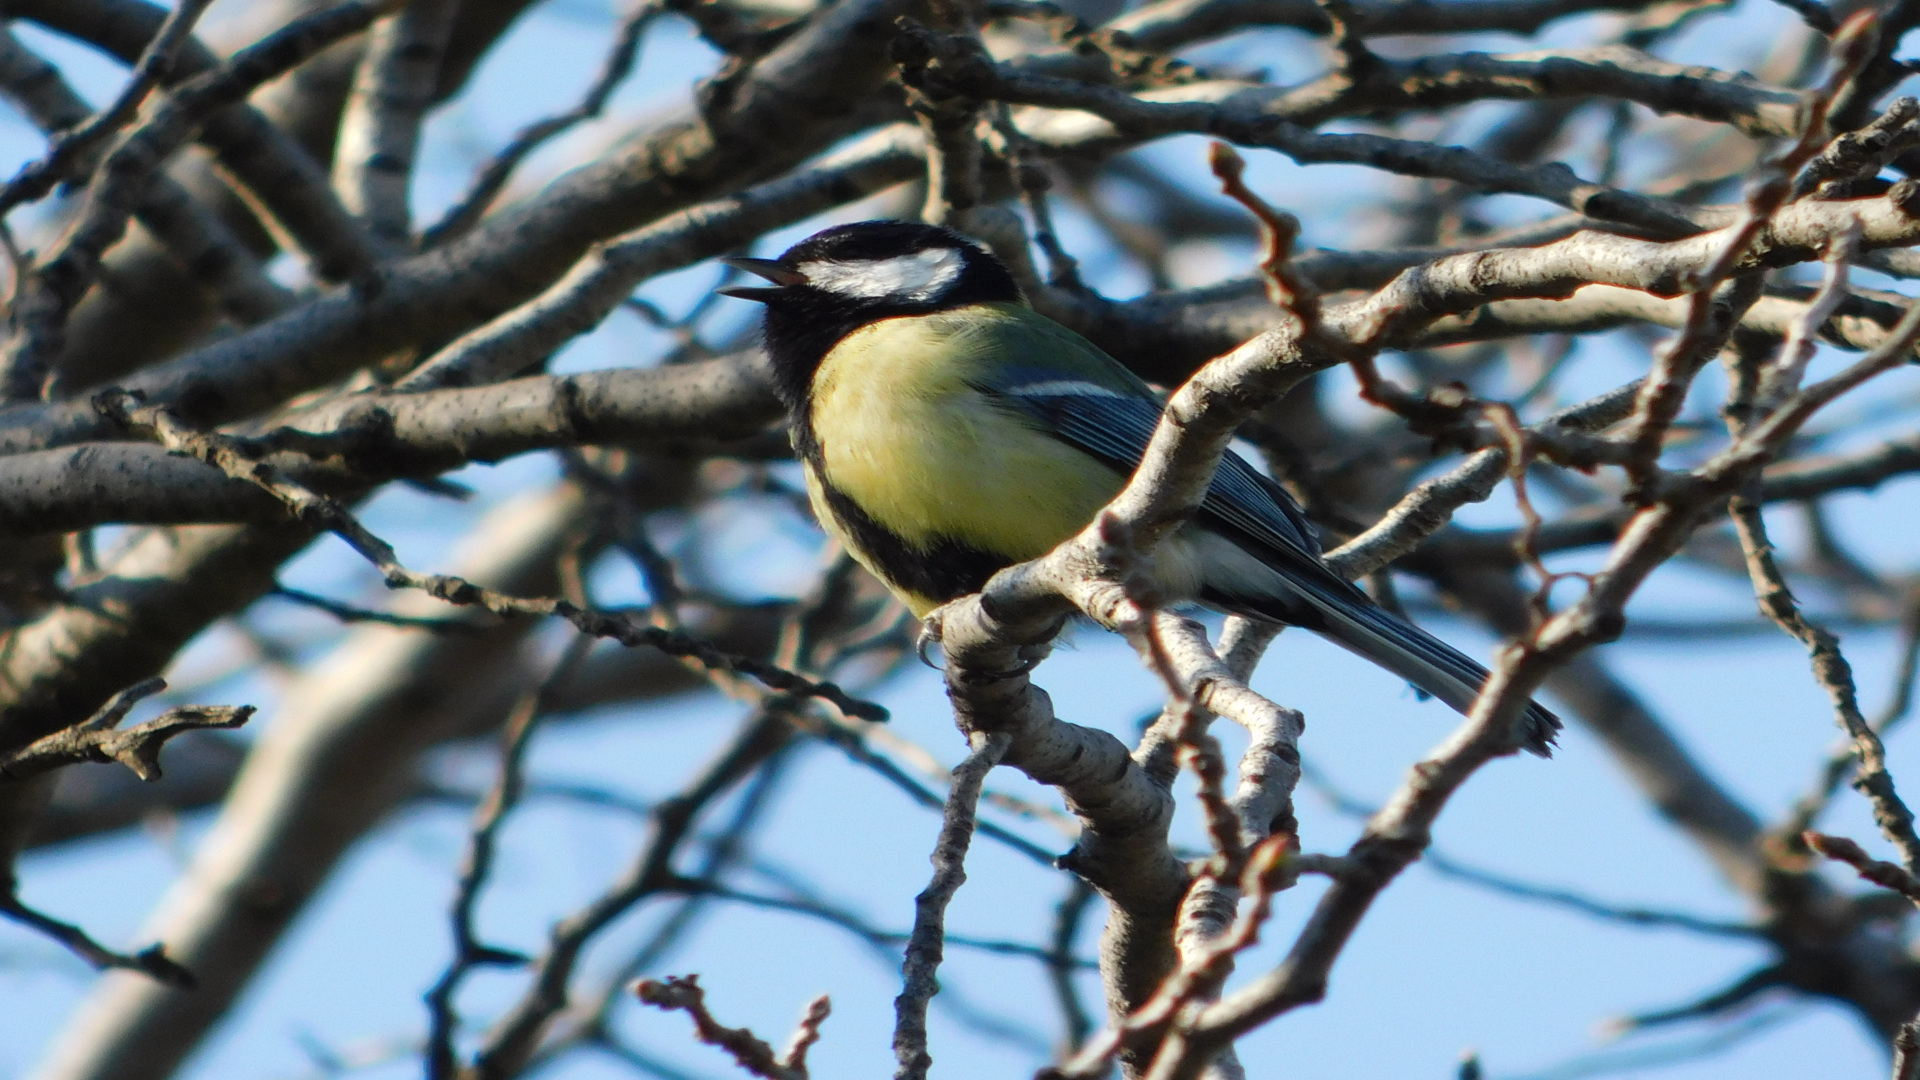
(919, 277)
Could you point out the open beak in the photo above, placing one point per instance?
(773, 270)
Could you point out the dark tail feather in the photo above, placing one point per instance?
(1404, 649)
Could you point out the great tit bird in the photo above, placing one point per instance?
(948, 430)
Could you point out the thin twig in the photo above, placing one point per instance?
(1665, 389)
(151, 960)
(1449, 867)
(1572, 901)
(1267, 870)
(514, 1040)
(492, 177)
(236, 460)
(1200, 752)
(1784, 376)
(469, 951)
(348, 613)
(138, 748)
(1808, 808)
(926, 944)
(45, 300)
(1718, 1003)
(69, 153)
(1067, 918)
(854, 924)
(1835, 675)
(755, 1056)
(1885, 874)
(1030, 172)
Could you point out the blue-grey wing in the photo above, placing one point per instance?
(1116, 426)
(1113, 422)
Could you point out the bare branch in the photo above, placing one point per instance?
(151, 961)
(1737, 995)
(926, 945)
(857, 925)
(598, 283)
(1884, 874)
(351, 614)
(343, 751)
(492, 177)
(512, 1041)
(1169, 24)
(380, 127)
(72, 151)
(308, 505)
(61, 277)
(264, 413)
(755, 1056)
(1906, 1052)
(274, 170)
(1200, 972)
(138, 748)
(1858, 155)
(468, 950)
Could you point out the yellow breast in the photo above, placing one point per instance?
(929, 457)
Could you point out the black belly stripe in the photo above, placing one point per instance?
(941, 571)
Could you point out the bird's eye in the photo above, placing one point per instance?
(918, 277)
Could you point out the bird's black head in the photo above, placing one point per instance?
(840, 279)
